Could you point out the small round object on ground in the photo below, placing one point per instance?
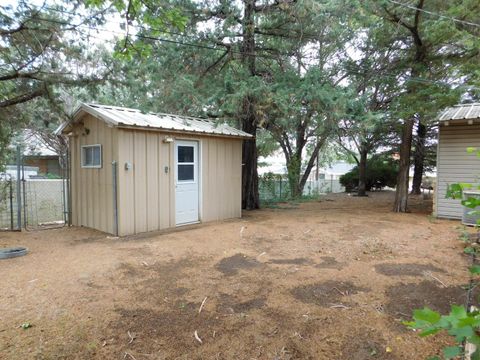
(7, 253)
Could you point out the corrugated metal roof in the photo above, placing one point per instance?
(461, 112)
(125, 117)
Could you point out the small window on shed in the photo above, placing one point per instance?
(92, 156)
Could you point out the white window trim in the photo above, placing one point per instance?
(194, 163)
(82, 159)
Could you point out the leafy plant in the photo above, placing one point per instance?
(381, 172)
(26, 326)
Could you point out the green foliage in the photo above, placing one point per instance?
(26, 326)
(460, 324)
(381, 172)
(272, 188)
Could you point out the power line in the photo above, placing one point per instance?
(208, 47)
(122, 23)
(412, 7)
(406, 78)
(284, 34)
(154, 38)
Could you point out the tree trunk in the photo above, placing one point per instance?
(418, 159)
(250, 197)
(293, 170)
(401, 191)
(362, 173)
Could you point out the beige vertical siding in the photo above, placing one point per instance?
(152, 173)
(221, 178)
(92, 191)
(455, 165)
(144, 190)
(147, 192)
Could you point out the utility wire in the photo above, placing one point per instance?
(405, 78)
(283, 34)
(209, 47)
(412, 7)
(154, 38)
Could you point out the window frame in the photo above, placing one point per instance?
(194, 145)
(82, 162)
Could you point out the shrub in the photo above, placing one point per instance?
(381, 172)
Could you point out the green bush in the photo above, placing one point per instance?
(381, 172)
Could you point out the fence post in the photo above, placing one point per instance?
(10, 188)
(115, 204)
(280, 187)
(67, 210)
(18, 190)
(64, 185)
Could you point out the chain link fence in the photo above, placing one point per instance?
(43, 203)
(275, 188)
(31, 202)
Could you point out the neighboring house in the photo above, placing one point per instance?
(332, 172)
(37, 166)
(27, 171)
(459, 128)
(38, 160)
(48, 165)
(170, 170)
(274, 164)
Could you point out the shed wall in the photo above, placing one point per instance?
(92, 189)
(455, 165)
(147, 191)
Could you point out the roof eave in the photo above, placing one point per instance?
(81, 111)
(178, 131)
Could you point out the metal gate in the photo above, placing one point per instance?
(45, 201)
(31, 202)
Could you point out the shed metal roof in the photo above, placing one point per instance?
(125, 117)
(461, 112)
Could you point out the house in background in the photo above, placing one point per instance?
(48, 164)
(167, 170)
(320, 181)
(459, 129)
(38, 162)
(331, 172)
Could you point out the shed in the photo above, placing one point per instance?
(133, 172)
(459, 129)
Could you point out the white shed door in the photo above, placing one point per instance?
(186, 182)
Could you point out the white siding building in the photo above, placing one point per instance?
(459, 129)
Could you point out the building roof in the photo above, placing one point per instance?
(461, 112)
(133, 118)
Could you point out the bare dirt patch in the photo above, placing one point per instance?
(230, 266)
(367, 344)
(296, 261)
(326, 293)
(173, 328)
(329, 262)
(231, 304)
(404, 298)
(393, 269)
(268, 288)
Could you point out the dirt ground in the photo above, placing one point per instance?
(328, 279)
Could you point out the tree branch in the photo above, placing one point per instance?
(24, 97)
